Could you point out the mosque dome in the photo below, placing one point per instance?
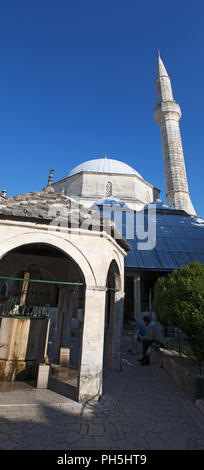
(104, 165)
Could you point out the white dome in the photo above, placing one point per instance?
(104, 165)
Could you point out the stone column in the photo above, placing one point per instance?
(92, 345)
(75, 301)
(67, 318)
(115, 331)
(64, 316)
(137, 297)
(106, 310)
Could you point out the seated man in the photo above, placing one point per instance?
(154, 335)
(139, 329)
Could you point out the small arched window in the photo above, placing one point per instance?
(148, 197)
(109, 188)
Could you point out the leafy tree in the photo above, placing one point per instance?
(179, 301)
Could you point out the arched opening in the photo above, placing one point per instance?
(56, 288)
(113, 285)
(113, 319)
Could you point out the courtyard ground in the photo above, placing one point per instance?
(141, 409)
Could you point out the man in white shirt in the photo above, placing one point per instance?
(154, 336)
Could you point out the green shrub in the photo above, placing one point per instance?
(179, 302)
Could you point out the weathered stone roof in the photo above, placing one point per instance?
(33, 205)
(46, 205)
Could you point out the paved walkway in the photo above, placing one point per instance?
(142, 410)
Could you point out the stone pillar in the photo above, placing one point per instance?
(75, 301)
(64, 357)
(107, 310)
(64, 317)
(115, 331)
(43, 376)
(58, 327)
(137, 297)
(67, 318)
(92, 345)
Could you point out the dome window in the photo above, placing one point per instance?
(109, 189)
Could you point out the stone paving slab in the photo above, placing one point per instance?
(142, 410)
(20, 399)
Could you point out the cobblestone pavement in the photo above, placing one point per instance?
(143, 410)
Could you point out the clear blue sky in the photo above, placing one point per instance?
(77, 81)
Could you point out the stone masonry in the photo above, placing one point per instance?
(47, 218)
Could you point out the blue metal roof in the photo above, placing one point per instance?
(179, 239)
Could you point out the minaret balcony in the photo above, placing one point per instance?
(167, 110)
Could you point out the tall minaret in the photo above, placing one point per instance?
(167, 115)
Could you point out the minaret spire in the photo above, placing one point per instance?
(167, 115)
(163, 83)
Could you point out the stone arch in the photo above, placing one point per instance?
(119, 268)
(115, 306)
(92, 350)
(62, 244)
(64, 315)
(114, 275)
(117, 260)
(71, 251)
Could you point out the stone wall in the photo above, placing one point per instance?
(182, 371)
(71, 185)
(131, 189)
